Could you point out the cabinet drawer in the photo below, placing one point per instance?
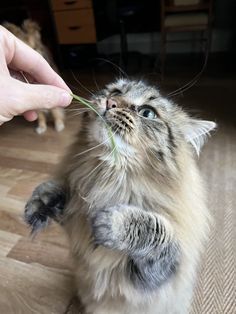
(60, 5)
(75, 27)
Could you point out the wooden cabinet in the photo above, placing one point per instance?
(74, 20)
(58, 5)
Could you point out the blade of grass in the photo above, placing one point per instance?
(89, 105)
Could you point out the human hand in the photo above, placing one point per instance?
(17, 97)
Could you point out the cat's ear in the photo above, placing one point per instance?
(196, 131)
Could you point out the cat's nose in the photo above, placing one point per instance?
(111, 103)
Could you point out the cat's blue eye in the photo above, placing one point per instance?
(147, 113)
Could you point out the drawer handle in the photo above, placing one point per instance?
(74, 28)
(70, 2)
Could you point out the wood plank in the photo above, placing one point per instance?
(4, 189)
(28, 154)
(54, 234)
(13, 223)
(30, 251)
(7, 242)
(11, 205)
(28, 289)
(9, 173)
(24, 188)
(50, 143)
(15, 163)
(34, 275)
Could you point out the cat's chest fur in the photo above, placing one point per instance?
(106, 187)
(109, 186)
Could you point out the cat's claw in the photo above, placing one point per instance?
(46, 204)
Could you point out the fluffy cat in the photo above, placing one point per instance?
(136, 216)
(30, 34)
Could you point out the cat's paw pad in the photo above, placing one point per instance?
(47, 203)
(41, 129)
(107, 227)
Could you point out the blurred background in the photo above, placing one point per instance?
(167, 42)
(187, 48)
(137, 35)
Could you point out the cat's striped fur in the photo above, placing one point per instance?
(137, 219)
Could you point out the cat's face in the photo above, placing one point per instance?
(143, 121)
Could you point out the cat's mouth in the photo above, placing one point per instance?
(116, 114)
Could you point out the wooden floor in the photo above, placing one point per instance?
(35, 275)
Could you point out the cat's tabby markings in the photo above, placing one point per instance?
(137, 223)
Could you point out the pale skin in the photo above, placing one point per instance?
(18, 97)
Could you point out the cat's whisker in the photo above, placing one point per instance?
(79, 90)
(78, 109)
(77, 114)
(84, 87)
(115, 66)
(96, 146)
(76, 102)
(99, 165)
(151, 152)
(183, 89)
(95, 81)
(143, 147)
(80, 103)
(191, 83)
(113, 150)
(73, 112)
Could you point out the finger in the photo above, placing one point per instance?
(33, 63)
(17, 97)
(3, 64)
(23, 58)
(34, 96)
(30, 115)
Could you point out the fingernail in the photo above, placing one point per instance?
(66, 99)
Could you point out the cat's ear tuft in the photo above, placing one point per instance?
(196, 131)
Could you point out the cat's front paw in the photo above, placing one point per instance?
(46, 203)
(108, 227)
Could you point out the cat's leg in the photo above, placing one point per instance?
(42, 123)
(46, 203)
(58, 116)
(146, 237)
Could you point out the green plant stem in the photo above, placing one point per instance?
(90, 106)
